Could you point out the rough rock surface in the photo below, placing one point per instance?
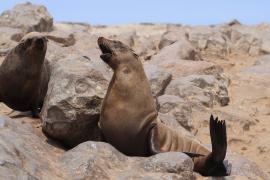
(200, 89)
(158, 78)
(71, 109)
(30, 156)
(176, 107)
(193, 71)
(27, 17)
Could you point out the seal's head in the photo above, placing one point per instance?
(33, 44)
(115, 53)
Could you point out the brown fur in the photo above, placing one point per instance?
(129, 118)
(24, 75)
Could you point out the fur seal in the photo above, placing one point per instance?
(24, 75)
(129, 120)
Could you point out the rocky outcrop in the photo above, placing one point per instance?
(199, 89)
(158, 78)
(180, 50)
(26, 154)
(176, 107)
(71, 109)
(28, 17)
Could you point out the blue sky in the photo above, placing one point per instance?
(193, 12)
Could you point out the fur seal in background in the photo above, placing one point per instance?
(24, 75)
(129, 120)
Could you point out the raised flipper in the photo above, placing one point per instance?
(212, 164)
(163, 139)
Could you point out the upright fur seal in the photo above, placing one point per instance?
(129, 118)
(24, 75)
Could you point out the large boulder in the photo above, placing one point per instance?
(28, 17)
(209, 40)
(158, 78)
(176, 107)
(71, 109)
(203, 90)
(171, 36)
(8, 38)
(241, 43)
(96, 160)
(25, 153)
(180, 50)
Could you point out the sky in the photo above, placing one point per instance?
(192, 12)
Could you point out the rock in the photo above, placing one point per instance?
(264, 60)
(25, 154)
(180, 50)
(126, 37)
(146, 46)
(171, 36)
(234, 22)
(177, 108)
(158, 78)
(244, 43)
(209, 40)
(93, 160)
(71, 109)
(97, 160)
(169, 162)
(28, 17)
(199, 89)
(8, 37)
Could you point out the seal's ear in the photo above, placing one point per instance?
(106, 57)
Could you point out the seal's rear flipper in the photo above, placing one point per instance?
(218, 136)
(214, 164)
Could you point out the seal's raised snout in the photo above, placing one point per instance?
(105, 47)
(40, 42)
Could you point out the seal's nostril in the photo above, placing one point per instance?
(39, 40)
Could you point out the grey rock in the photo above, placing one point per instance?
(180, 50)
(158, 78)
(200, 89)
(169, 162)
(28, 17)
(244, 43)
(210, 40)
(241, 166)
(8, 37)
(71, 109)
(177, 108)
(97, 160)
(24, 154)
(171, 36)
